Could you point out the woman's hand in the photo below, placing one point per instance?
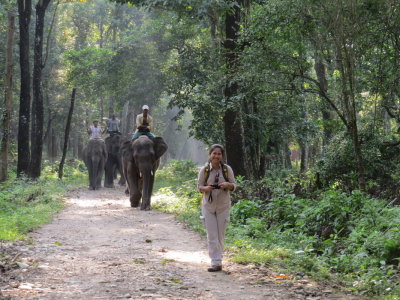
(206, 188)
(226, 186)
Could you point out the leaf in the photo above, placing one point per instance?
(165, 261)
(138, 261)
(282, 276)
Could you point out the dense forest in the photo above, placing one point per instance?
(303, 94)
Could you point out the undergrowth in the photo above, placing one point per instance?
(26, 204)
(350, 238)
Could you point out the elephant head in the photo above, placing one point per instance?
(114, 160)
(140, 159)
(94, 156)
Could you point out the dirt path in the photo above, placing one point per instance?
(100, 248)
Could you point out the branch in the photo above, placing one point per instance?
(324, 95)
(48, 36)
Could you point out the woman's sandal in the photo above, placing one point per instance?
(215, 269)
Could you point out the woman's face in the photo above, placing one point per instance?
(216, 156)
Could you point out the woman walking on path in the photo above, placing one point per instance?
(215, 181)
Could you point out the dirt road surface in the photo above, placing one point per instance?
(100, 248)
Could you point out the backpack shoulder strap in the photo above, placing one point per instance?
(206, 173)
(225, 171)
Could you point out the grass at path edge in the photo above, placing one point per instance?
(26, 204)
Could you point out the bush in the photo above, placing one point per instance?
(174, 173)
(347, 236)
(382, 165)
(27, 204)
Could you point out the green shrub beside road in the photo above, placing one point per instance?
(25, 204)
(352, 239)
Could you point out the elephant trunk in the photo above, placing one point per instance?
(148, 180)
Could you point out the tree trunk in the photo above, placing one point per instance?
(233, 129)
(346, 66)
(8, 82)
(303, 156)
(254, 151)
(49, 141)
(110, 107)
(37, 104)
(214, 26)
(24, 10)
(320, 70)
(66, 136)
(128, 119)
(287, 152)
(80, 147)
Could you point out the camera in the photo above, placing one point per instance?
(215, 186)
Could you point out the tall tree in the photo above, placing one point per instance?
(37, 104)
(66, 134)
(25, 11)
(5, 141)
(233, 128)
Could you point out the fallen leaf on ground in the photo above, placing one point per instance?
(165, 261)
(282, 276)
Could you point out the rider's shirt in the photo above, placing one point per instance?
(113, 125)
(95, 132)
(139, 121)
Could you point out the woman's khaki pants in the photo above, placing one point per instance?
(216, 225)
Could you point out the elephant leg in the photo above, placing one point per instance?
(135, 194)
(122, 180)
(100, 173)
(96, 172)
(91, 175)
(123, 174)
(133, 183)
(109, 170)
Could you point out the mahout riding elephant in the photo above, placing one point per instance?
(94, 156)
(140, 160)
(114, 160)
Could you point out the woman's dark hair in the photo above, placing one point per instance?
(213, 147)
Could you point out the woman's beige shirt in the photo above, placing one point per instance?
(221, 199)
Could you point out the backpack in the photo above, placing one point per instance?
(207, 172)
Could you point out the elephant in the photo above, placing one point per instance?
(140, 160)
(94, 156)
(114, 160)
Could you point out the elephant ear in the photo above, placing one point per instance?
(159, 147)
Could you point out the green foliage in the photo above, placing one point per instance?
(177, 192)
(353, 236)
(350, 238)
(175, 174)
(246, 211)
(337, 165)
(25, 204)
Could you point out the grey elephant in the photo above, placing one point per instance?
(94, 156)
(114, 160)
(140, 160)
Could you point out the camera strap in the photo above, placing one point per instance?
(216, 181)
(207, 172)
